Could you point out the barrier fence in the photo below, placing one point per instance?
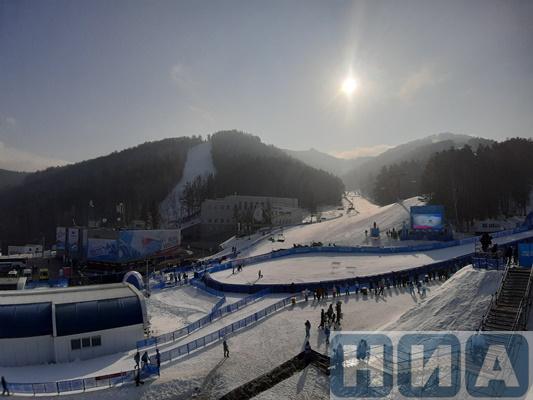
(80, 385)
(187, 348)
(217, 312)
(356, 250)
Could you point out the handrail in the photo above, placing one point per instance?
(526, 296)
(495, 296)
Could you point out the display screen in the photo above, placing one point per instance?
(427, 218)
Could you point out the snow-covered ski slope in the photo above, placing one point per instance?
(348, 230)
(199, 163)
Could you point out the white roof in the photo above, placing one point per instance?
(74, 294)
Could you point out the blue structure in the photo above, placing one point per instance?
(525, 254)
(134, 278)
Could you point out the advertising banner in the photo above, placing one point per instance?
(102, 250)
(61, 238)
(427, 217)
(137, 244)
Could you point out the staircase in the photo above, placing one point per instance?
(509, 308)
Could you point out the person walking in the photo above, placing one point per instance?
(144, 359)
(158, 361)
(307, 328)
(322, 319)
(226, 348)
(327, 332)
(137, 359)
(5, 389)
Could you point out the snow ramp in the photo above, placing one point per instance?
(459, 304)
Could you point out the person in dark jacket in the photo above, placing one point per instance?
(226, 348)
(137, 359)
(144, 359)
(5, 389)
(307, 328)
(158, 361)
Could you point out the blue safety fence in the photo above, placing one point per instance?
(409, 274)
(187, 348)
(82, 385)
(216, 313)
(354, 250)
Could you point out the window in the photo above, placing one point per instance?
(86, 342)
(75, 344)
(96, 341)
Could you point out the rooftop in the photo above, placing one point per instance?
(75, 294)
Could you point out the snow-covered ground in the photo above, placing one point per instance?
(174, 308)
(457, 303)
(320, 267)
(348, 230)
(199, 163)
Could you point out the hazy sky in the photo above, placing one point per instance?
(83, 78)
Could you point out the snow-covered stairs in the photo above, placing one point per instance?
(510, 309)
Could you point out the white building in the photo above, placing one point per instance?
(243, 214)
(62, 325)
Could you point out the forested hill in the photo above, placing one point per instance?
(10, 178)
(247, 166)
(141, 177)
(364, 177)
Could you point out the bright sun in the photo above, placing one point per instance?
(349, 86)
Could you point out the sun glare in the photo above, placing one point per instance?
(349, 86)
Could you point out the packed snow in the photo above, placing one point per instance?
(347, 230)
(173, 308)
(459, 304)
(320, 267)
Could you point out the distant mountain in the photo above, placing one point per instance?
(363, 177)
(11, 178)
(326, 162)
(142, 176)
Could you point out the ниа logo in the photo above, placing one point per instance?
(458, 365)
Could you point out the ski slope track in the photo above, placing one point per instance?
(199, 163)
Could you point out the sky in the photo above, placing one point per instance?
(80, 79)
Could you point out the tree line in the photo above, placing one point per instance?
(489, 181)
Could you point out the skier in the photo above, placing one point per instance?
(5, 389)
(259, 274)
(338, 309)
(411, 288)
(327, 332)
(307, 328)
(226, 348)
(418, 286)
(137, 358)
(144, 359)
(306, 294)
